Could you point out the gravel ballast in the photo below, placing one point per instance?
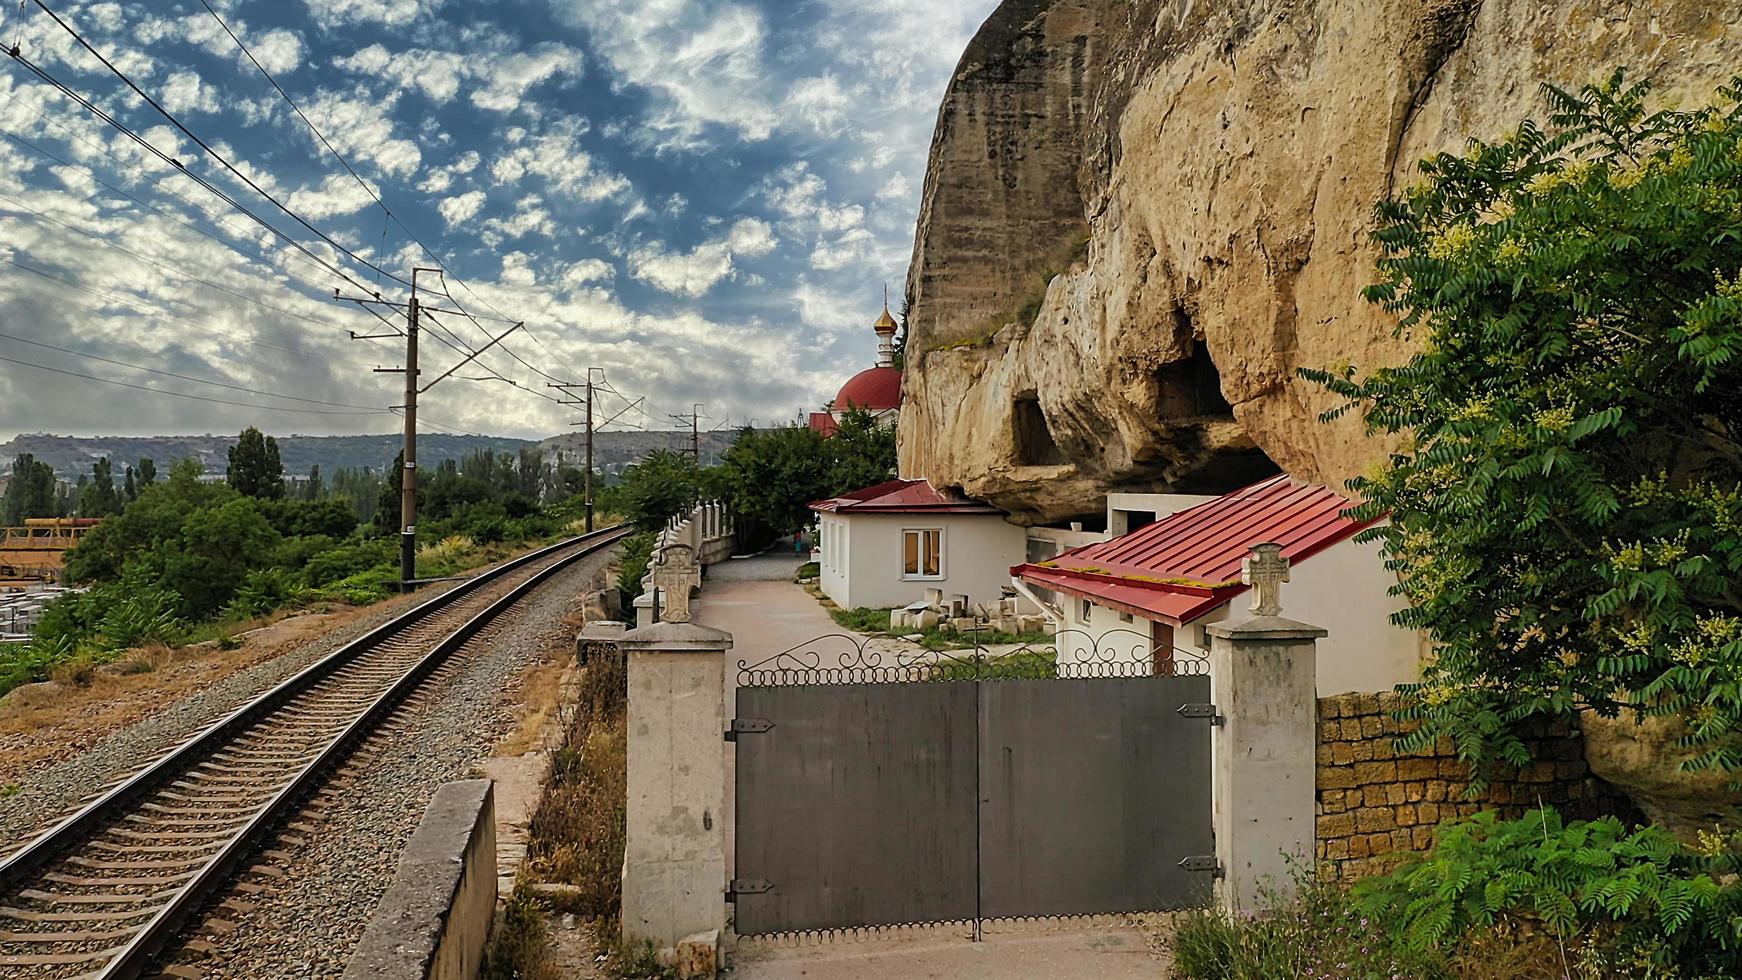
(55, 790)
(309, 920)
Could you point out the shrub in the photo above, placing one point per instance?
(1640, 889)
(519, 946)
(632, 567)
(346, 560)
(264, 591)
(1565, 498)
(146, 616)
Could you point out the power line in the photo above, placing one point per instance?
(196, 229)
(162, 265)
(203, 145)
(184, 377)
(183, 394)
(160, 314)
(177, 165)
(278, 242)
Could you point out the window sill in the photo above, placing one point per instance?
(924, 578)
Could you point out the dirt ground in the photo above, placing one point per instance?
(51, 722)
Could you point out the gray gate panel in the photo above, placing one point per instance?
(858, 805)
(1092, 791)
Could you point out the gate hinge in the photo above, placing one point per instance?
(1207, 711)
(1201, 863)
(747, 886)
(747, 726)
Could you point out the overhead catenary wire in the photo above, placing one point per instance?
(184, 394)
(185, 377)
(207, 147)
(161, 314)
(178, 167)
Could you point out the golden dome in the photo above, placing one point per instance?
(884, 322)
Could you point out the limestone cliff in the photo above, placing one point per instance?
(1141, 216)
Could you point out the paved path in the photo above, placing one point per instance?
(1089, 953)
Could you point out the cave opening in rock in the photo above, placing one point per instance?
(1191, 388)
(1035, 445)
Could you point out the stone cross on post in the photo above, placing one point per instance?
(1265, 571)
(673, 576)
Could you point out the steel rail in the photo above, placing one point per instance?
(130, 960)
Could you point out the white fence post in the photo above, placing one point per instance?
(674, 862)
(1264, 754)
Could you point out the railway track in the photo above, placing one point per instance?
(100, 893)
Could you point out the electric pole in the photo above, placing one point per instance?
(693, 418)
(408, 472)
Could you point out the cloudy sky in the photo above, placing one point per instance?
(702, 197)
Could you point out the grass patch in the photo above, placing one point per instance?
(577, 832)
(809, 569)
(862, 620)
(519, 947)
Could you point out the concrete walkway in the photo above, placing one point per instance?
(1105, 952)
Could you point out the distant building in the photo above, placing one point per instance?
(883, 546)
(876, 390)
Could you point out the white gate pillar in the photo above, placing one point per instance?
(1263, 755)
(674, 861)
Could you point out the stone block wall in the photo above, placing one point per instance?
(1376, 804)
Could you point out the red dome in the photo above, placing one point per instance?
(875, 389)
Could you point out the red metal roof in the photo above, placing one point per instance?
(1188, 563)
(825, 423)
(901, 497)
(875, 389)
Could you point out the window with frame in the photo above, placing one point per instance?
(922, 553)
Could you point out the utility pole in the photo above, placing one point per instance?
(408, 473)
(693, 418)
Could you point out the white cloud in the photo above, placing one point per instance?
(558, 158)
(461, 207)
(278, 51)
(437, 180)
(436, 74)
(854, 246)
(336, 195)
(896, 188)
(752, 237)
(393, 13)
(529, 217)
(820, 102)
(682, 273)
(185, 92)
(507, 79)
(588, 271)
(360, 126)
(702, 60)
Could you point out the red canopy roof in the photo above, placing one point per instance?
(901, 497)
(825, 423)
(875, 389)
(1188, 563)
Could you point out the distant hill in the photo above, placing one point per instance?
(73, 455)
(614, 450)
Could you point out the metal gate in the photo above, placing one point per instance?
(884, 790)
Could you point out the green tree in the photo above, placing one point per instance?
(861, 452)
(98, 497)
(255, 469)
(1566, 507)
(32, 491)
(315, 489)
(147, 472)
(129, 488)
(660, 486)
(769, 477)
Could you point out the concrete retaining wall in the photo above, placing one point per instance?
(435, 918)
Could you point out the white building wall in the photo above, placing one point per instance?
(1120, 507)
(978, 552)
(1342, 589)
(831, 544)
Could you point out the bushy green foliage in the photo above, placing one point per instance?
(662, 485)
(1567, 879)
(637, 558)
(348, 559)
(255, 468)
(769, 477)
(30, 493)
(1566, 507)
